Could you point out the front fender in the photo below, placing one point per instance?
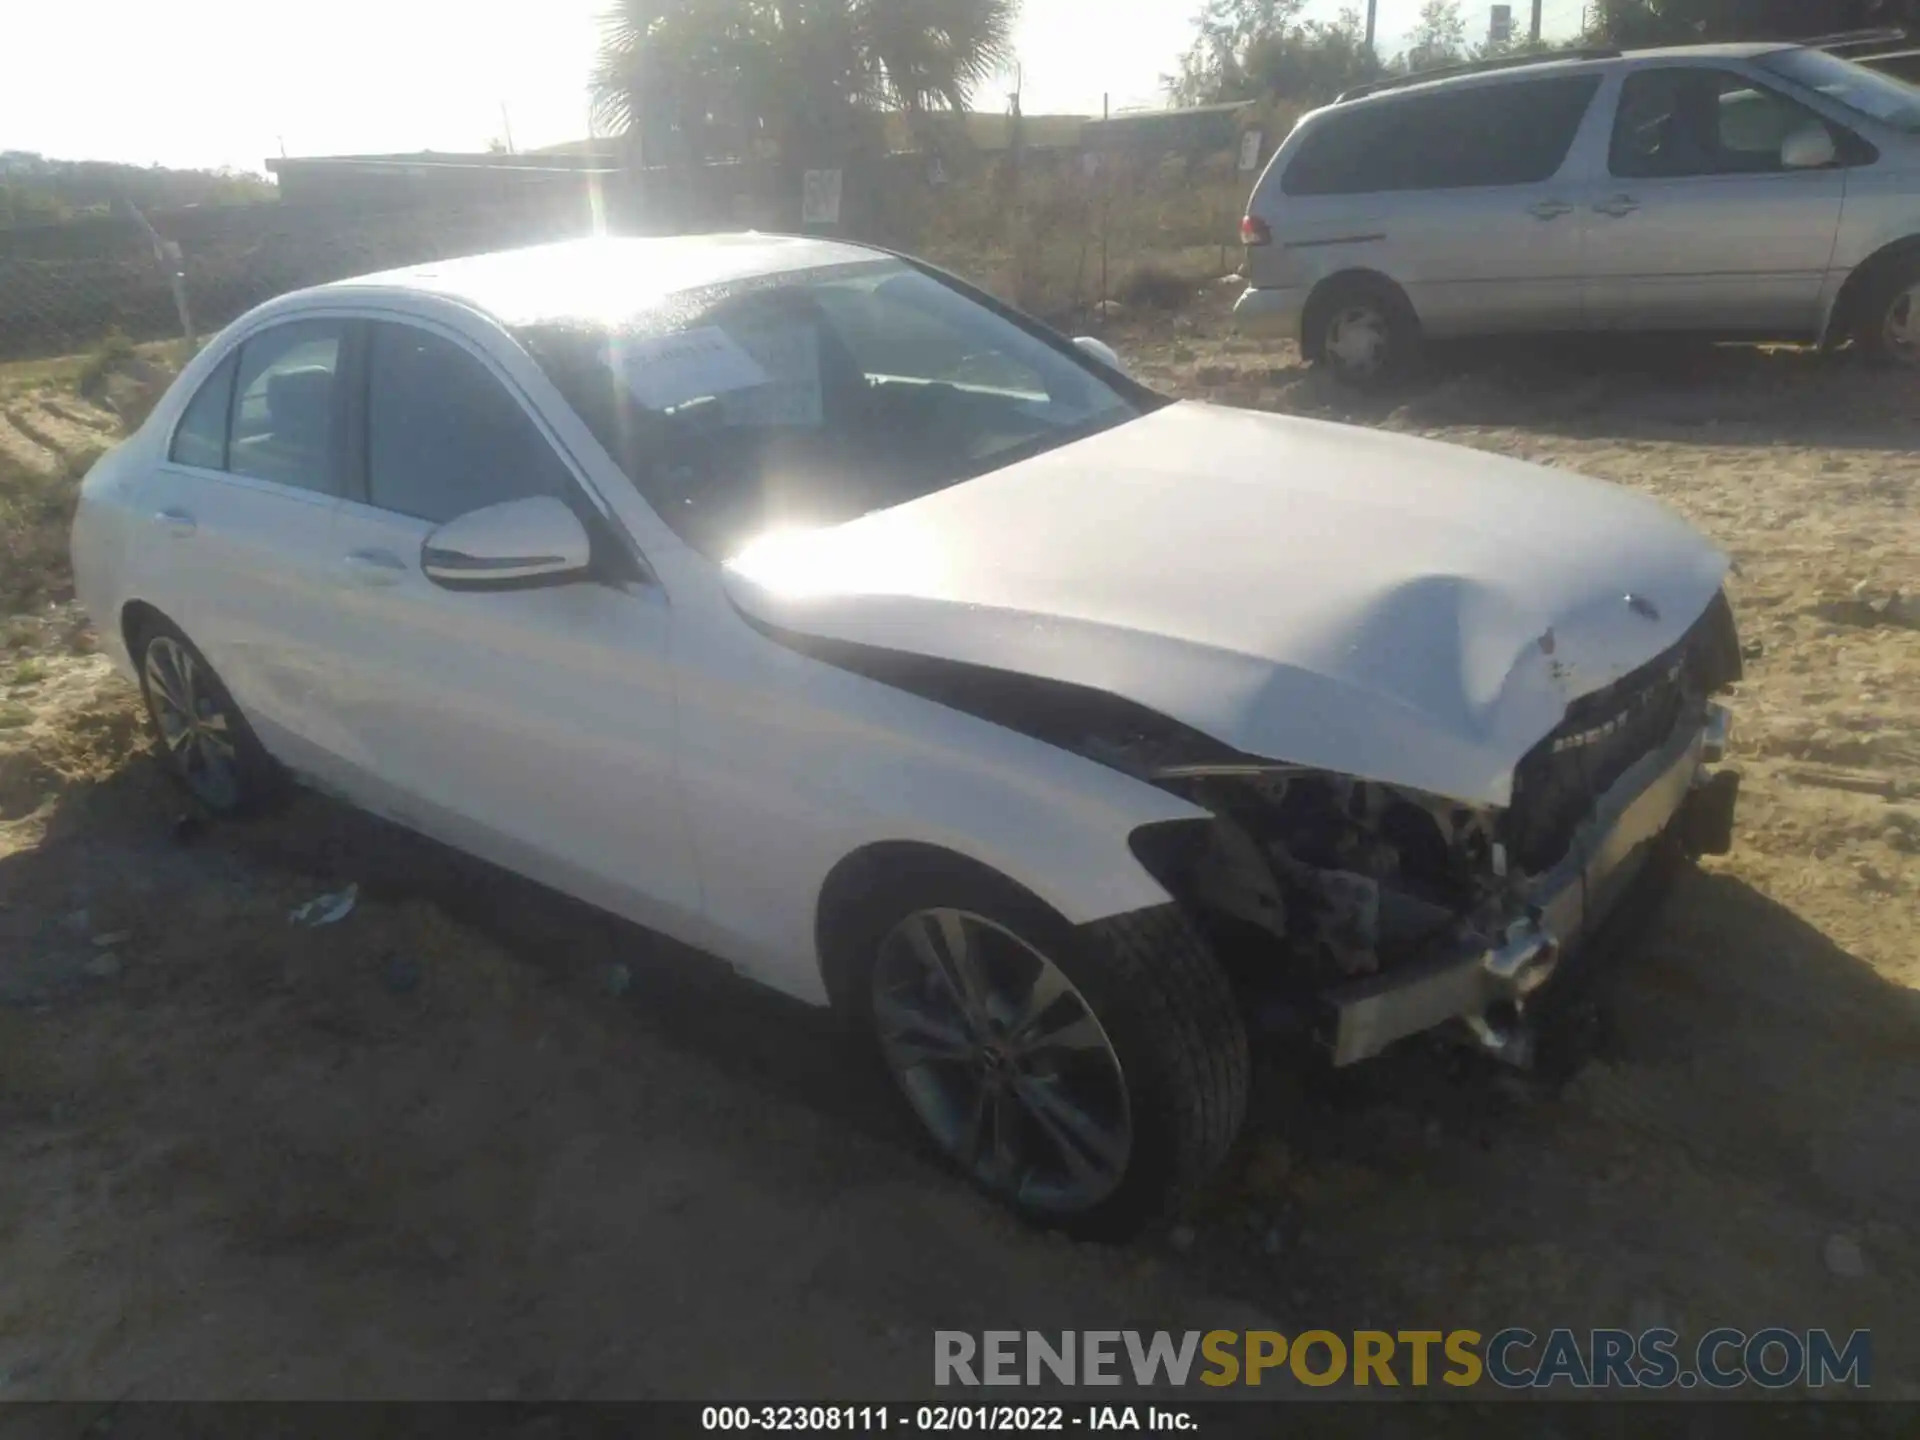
(779, 794)
(1855, 261)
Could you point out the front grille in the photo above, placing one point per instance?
(1605, 733)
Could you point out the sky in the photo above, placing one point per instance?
(231, 82)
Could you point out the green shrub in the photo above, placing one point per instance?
(115, 349)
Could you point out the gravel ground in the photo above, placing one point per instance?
(472, 1140)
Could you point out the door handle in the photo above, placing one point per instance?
(175, 521)
(374, 567)
(1549, 209)
(1619, 205)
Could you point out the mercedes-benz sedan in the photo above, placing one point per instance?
(808, 605)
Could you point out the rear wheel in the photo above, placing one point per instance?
(1362, 330)
(1086, 1077)
(1888, 330)
(203, 739)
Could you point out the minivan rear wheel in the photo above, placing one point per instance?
(1363, 331)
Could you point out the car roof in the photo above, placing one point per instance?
(1724, 50)
(1547, 63)
(604, 279)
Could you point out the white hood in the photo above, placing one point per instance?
(1336, 597)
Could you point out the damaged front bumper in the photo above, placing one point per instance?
(1670, 795)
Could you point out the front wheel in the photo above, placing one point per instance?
(1889, 326)
(1087, 1077)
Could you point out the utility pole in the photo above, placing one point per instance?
(1374, 5)
(1533, 33)
(1106, 206)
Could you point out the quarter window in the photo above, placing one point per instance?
(284, 426)
(1678, 122)
(443, 435)
(200, 439)
(1517, 132)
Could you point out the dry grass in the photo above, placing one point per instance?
(1057, 238)
(56, 418)
(36, 512)
(61, 373)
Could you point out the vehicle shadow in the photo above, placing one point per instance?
(1749, 1080)
(1601, 387)
(133, 826)
(1631, 387)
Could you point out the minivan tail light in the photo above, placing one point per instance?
(1255, 231)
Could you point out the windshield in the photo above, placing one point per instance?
(1865, 92)
(807, 399)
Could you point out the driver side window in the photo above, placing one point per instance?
(444, 437)
(1680, 122)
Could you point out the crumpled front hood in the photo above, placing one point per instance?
(1381, 606)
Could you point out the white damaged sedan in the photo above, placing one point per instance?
(806, 604)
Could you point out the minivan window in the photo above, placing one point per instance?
(1515, 133)
(1886, 98)
(1680, 121)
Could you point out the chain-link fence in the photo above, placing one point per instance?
(1058, 231)
(65, 287)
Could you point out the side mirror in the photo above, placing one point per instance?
(1809, 148)
(515, 545)
(1101, 351)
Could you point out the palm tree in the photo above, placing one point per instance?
(697, 79)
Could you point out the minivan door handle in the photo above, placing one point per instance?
(176, 522)
(1549, 209)
(374, 567)
(1619, 205)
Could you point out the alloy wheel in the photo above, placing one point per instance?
(195, 728)
(1003, 1060)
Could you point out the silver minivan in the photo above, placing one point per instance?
(1759, 190)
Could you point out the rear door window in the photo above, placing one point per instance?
(1515, 133)
(1349, 153)
(285, 426)
(200, 439)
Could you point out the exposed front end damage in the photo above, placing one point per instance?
(1383, 912)
(1369, 911)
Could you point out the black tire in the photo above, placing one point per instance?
(1152, 984)
(1889, 305)
(1374, 309)
(255, 783)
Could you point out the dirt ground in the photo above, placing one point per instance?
(474, 1141)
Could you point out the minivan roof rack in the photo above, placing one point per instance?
(1854, 39)
(1474, 67)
